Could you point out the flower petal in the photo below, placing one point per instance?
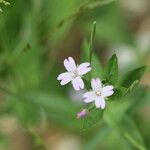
(83, 68)
(107, 90)
(70, 64)
(78, 83)
(96, 84)
(89, 96)
(65, 78)
(100, 102)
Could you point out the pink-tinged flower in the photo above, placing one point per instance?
(74, 73)
(82, 113)
(98, 93)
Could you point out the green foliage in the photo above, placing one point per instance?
(133, 75)
(3, 2)
(33, 44)
(131, 133)
(111, 76)
(94, 116)
(111, 71)
(126, 127)
(119, 92)
(97, 69)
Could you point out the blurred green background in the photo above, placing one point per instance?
(36, 113)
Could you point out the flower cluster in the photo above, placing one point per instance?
(74, 74)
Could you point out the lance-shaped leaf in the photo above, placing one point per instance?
(133, 75)
(97, 69)
(111, 70)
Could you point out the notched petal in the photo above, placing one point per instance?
(100, 102)
(65, 78)
(107, 90)
(89, 97)
(70, 64)
(78, 83)
(96, 84)
(83, 68)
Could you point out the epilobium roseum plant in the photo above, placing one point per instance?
(99, 93)
(74, 73)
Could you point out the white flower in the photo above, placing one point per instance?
(74, 73)
(98, 93)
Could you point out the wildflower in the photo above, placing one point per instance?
(82, 113)
(98, 93)
(74, 73)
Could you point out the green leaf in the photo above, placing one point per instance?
(94, 116)
(97, 69)
(132, 86)
(111, 70)
(119, 92)
(133, 75)
(84, 51)
(139, 97)
(131, 133)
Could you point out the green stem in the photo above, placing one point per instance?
(91, 40)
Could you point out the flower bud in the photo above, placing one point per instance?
(82, 113)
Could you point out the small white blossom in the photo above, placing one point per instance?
(74, 73)
(98, 93)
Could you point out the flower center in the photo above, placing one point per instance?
(98, 93)
(74, 74)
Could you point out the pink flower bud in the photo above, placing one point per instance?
(82, 113)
